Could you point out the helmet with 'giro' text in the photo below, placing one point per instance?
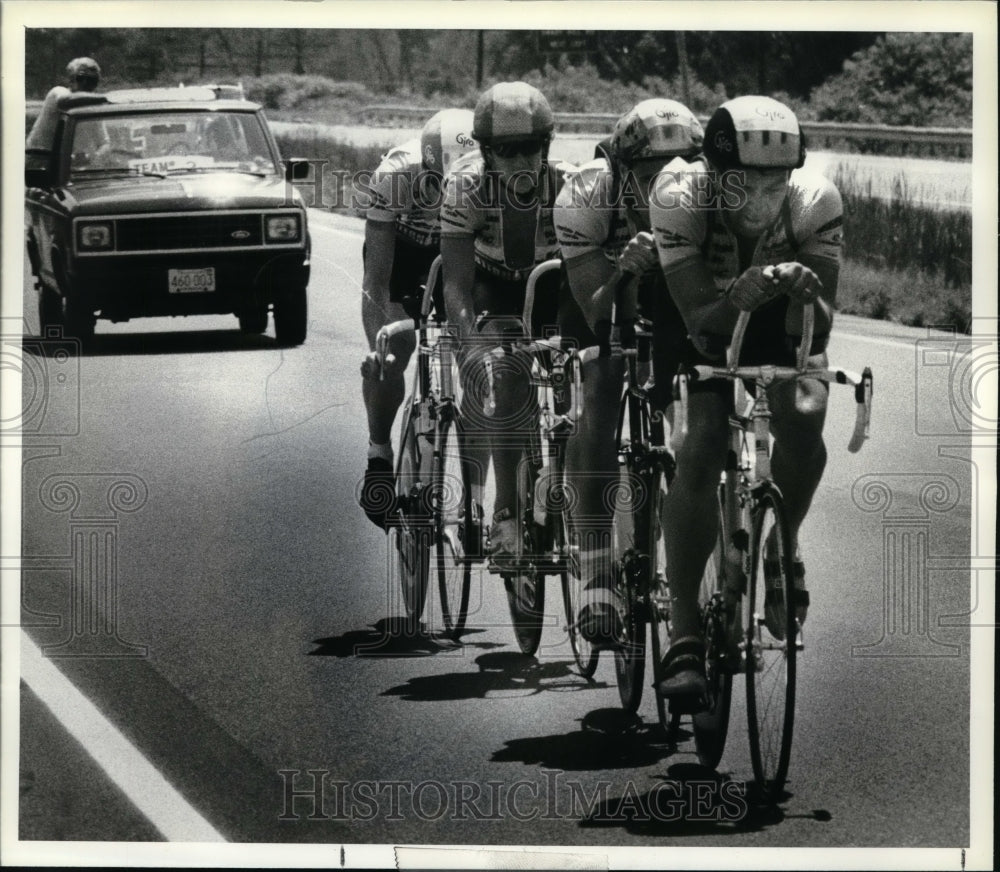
(445, 138)
(754, 132)
(656, 128)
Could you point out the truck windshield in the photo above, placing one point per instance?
(169, 142)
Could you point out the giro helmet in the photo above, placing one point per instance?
(656, 128)
(511, 111)
(754, 132)
(444, 138)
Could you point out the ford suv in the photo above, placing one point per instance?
(168, 201)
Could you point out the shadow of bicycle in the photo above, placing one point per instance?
(499, 674)
(691, 800)
(393, 637)
(608, 738)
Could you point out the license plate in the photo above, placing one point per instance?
(191, 281)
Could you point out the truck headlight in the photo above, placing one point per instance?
(94, 236)
(282, 228)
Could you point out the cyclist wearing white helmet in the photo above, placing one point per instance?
(756, 233)
(602, 221)
(402, 238)
(496, 225)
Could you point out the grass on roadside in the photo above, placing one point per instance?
(904, 263)
(906, 296)
(899, 233)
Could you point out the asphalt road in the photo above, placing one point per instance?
(257, 594)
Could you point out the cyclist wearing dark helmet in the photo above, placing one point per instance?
(759, 233)
(496, 225)
(402, 238)
(602, 221)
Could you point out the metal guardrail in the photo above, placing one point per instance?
(815, 130)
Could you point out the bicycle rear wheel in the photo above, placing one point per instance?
(451, 501)
(525, 587)
(632, 509)
(711, 726)
(770, 644)
(410, 528)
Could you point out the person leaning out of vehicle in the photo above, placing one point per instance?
(82, 74)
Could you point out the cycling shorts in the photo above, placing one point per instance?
(766, 340)
(410, 265)
(504, 297)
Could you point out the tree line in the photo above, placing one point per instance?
(901, 78)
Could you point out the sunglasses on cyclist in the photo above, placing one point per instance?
(516, 149)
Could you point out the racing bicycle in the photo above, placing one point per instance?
(544, 503)
(747, 596)
(433, 517)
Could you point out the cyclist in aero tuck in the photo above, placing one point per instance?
(496, 225)
(402, 236)
(602, 221)
(754, 232)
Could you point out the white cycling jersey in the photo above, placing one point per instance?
(509, 240)
(398, 195)
(687, 218)
(586, 216)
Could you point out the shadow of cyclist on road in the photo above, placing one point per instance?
(500, 674)
(393, 637)
(608, 738)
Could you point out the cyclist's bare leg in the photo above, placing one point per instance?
(383, 396)
(592, 467)
(799, 455)
(690, 513)
(516, 412)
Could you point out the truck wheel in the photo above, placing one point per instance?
(78, 320)
(290, 316)
(253, 320)
(49, 308)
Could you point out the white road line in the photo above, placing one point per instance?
(356, 234)
(140, 781)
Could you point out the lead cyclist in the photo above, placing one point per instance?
(751, 231)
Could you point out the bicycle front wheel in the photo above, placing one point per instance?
(770, 644)
(525, 586)
(632, 513)
(451, 500)
(711, 726)
(585, 654)
(410, 529)
(658, 590)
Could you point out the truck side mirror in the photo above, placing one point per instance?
(38, 167)
(297, 169)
